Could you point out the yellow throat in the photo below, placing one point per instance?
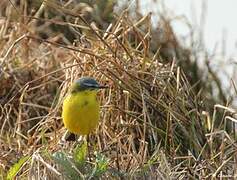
(81, 112)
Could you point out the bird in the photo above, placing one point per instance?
(81, 109)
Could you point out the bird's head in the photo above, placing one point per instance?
(85, 84)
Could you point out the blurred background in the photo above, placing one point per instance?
(208, 27)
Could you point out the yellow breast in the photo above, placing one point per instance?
(81, 112)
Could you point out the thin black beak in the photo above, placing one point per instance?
(102, 87)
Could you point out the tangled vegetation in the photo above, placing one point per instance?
(158, 120)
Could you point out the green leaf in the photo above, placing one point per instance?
(16, 168)
(102, 164)
(67, 165)
(80, 153)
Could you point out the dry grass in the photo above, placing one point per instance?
(152, 122)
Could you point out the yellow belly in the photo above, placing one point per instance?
(81, 112)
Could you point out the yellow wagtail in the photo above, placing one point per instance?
(80, 108)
